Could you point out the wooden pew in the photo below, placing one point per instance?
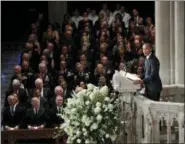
(25, 134)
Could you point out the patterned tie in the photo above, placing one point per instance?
(12, 110)
(36, 111)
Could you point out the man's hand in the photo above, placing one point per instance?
(41, 127)
(138, 82)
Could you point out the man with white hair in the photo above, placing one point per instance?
(45, 75)
(45, 92)
(57, 92)
(20, 92)
(13, 114)
(35, 116)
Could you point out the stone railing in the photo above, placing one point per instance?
(172, 93)
(148, 121)
(150, 116)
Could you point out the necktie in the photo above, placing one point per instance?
(12, 110)
(59, 110)
(36, 111)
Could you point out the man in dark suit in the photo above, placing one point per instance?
(151, 78)
(13, 114)
(42, 101)
(35, 116)
(45, 92)
(55, 111)
(66, 92)
(20, 92)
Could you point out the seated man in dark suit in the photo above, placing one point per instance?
(151, 78)
(42, 101)
(35, 116)
(54, 113)
(13, 114)
(66, 91)
(81, 75)
(20, 92)
(45, 92)
(46, 77)
(17, 71)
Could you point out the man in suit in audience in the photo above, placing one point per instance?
(45, 92)
(66, 91)
(54, 113)
(27, 75)
(58, 91)
(13, 114)
(151, 78)
(85, 22)
(81, 75)
(45, 76)
(35, 116)
(42, 101)
(20, 92)
(17, 71)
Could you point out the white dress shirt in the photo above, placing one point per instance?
(59, 109)
(76, 20)
(148, 56)
(126, 19)
(93, 18)
(110, 20)
(116, 12)
(42, 92)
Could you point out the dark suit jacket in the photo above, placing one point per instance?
(47, 94)
(151, 77)
(67, 94)
(33, 119)
(22, 95)
(13, 119)
(53, 119)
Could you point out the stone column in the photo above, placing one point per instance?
(57, 10)
(179, 42)
(172, 44)
(162, 22)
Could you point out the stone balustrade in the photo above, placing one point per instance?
(153, 113)
(172, 93)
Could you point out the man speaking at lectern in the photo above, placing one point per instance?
(151, 78)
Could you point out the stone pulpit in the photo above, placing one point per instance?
(123, 83)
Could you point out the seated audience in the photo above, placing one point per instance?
(59, 60)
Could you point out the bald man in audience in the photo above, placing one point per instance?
(20, 92)
(13, 114)
(35, 116)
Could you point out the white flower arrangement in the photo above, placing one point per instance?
(90, 116)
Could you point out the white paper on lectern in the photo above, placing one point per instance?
(130, 76)
(127, 84)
